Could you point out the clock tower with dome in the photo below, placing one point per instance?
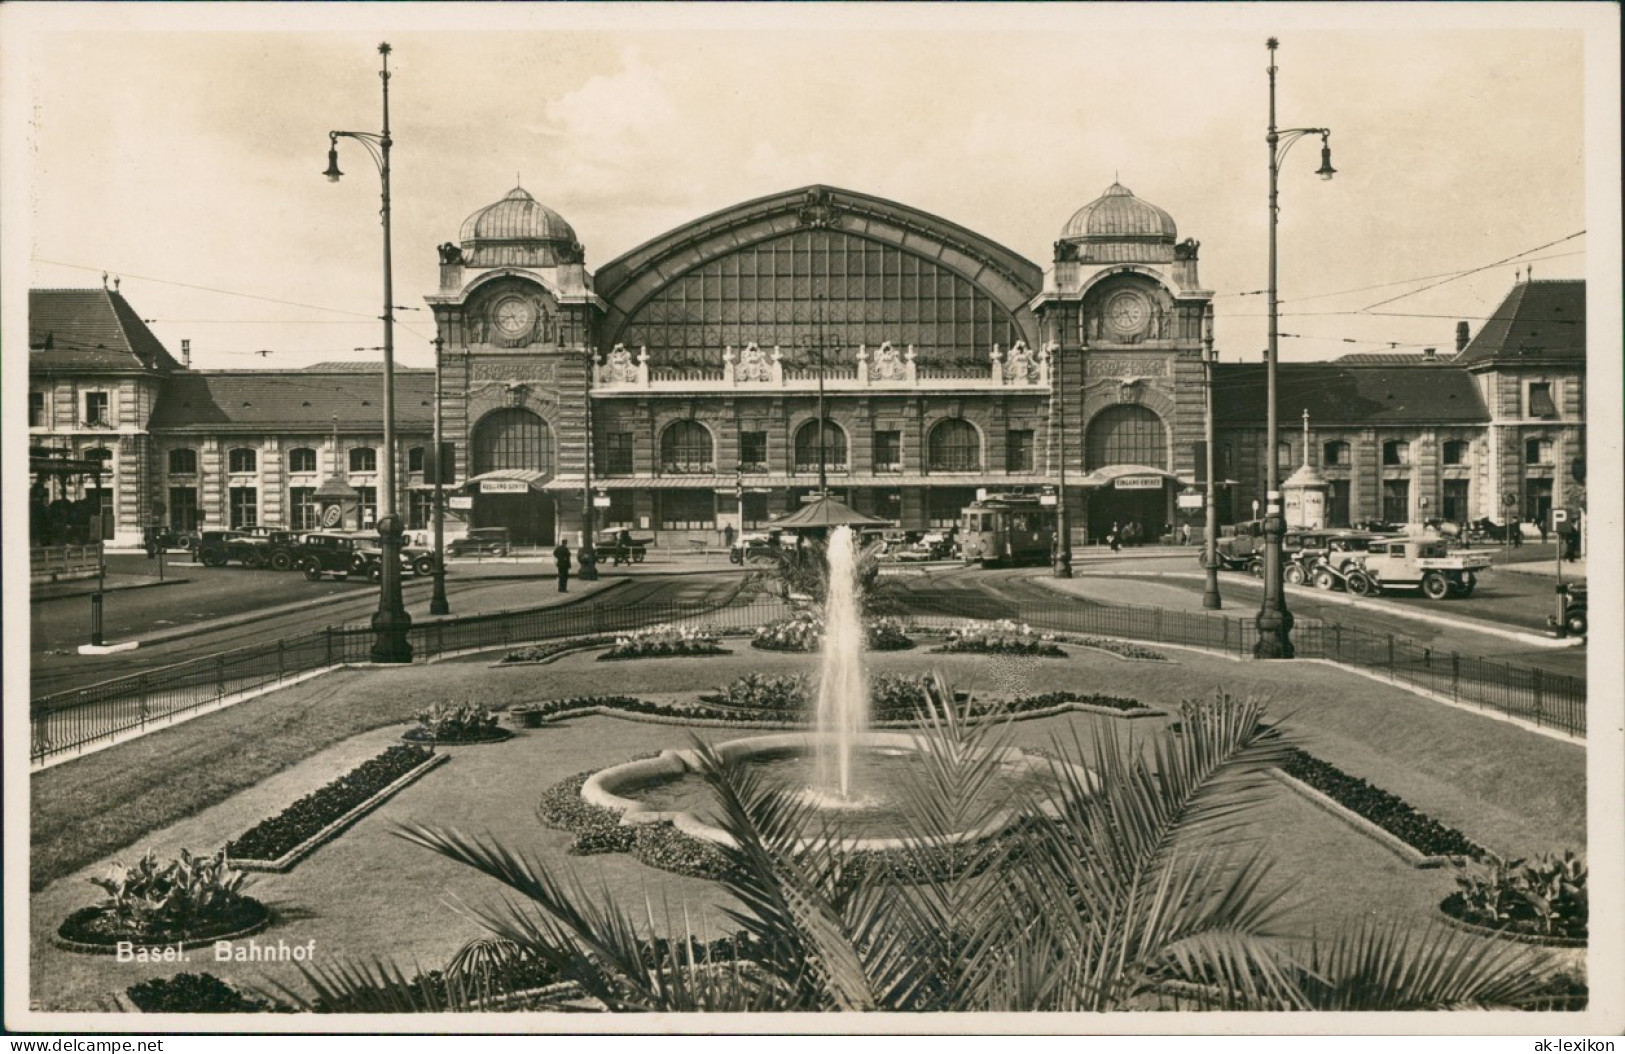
(515, 312)
(1124, 308)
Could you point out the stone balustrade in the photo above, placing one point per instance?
(755, 369)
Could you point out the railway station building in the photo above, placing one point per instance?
(721, 372)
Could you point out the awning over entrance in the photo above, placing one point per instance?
(531, 479)
(827, 512)
(1132, 477)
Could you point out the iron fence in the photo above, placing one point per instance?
(72, 720)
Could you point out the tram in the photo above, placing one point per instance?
(1006, 529)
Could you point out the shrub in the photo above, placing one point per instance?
(804, 631)
(451, 724)
(1547, 898)
(183, 896)
(665, 641)
(755, 691)
(273, 837)
(194, 993)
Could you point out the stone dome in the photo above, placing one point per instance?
(518, 231)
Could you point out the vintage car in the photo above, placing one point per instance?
(1410, 563)
(327, 553)
(608, 540)
(931, 545)
(215, 548)
(759, 546)
(266, 547)
(481, 541)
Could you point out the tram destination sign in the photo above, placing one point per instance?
(1138, 483)
(503, 486)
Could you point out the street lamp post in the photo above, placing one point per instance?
(1063, 521)
(438, 604)
(1210, 535)
(1274, 620)
(391, 622)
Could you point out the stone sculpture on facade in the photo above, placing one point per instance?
(618, 367)
(888, 365)
(754, 365)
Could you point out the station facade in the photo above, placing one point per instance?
(721, 372)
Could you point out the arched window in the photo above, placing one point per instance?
(806, 447)
(1335, 453)
(954, 446)
(1396, 452)
(301, 459)
(183, 462)
(685, 447)
(1455, 452)
(514, 438)
(363, 459)
(1126, 435)
(242, 459)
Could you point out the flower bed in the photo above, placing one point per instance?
(665, 642)
(193, 993)
(463, 723)
(1121, 648)
(1423, 833)
(551, 650)
(804, 632)
(1004, 637)
(188, 901)
(299, 828)
(755, 691)
(599, 830)
(1542, 902)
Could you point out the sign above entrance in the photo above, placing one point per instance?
(1138, 483)
(1190, 501)
(459, 501)
(503, 486)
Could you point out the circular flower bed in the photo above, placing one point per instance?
(462, 723)
(804, 632)
(184, 903)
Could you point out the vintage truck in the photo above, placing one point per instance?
(1411, 563)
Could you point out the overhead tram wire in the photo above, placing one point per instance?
(208, 289)
(1486, 267)
(1424, 278)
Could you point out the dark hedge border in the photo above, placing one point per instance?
(194, 993)
(423, 735)
(1418, 830)
(273, 837)
(79, 933)
(712, 711)
(1037, 649)
(544, 652)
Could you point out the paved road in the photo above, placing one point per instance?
(223, 608)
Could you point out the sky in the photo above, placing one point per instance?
(180, 147)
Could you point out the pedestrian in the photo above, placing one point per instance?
(1115, 538)
(561, 557)
(1184, 534)
(589, 562)
(1571, 541)
(623, 546)
(1516, 530)
(1540, 525)
(728, 534)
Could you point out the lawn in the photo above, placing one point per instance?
(367, 893)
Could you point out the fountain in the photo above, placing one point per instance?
(854, 773)
(843, 695)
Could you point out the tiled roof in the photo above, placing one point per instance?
(1540, 321)
(90, 329)
(1339, 394)
(290, 401)
(346, 367)
(1394, 358)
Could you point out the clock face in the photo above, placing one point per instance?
(514, 315)
(1126, 312)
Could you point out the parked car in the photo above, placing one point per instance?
(327, 553)
(758, 546)
(931, 545)
(215, 548)
(1575, 623)
(481, 541)
(265, 547)
(1430, 566)
(608, 540)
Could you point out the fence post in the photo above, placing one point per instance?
(1535, 682)
(328, 631)
(1158, 625)
(1455, 676)
(1390, 654)
(1337, 639)
(281, 658)
(220, 675)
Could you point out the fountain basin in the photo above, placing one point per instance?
(668, 788)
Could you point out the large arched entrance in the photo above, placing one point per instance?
(1128, 437)
(512, 455)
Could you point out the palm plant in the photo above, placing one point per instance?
(1133, 888)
